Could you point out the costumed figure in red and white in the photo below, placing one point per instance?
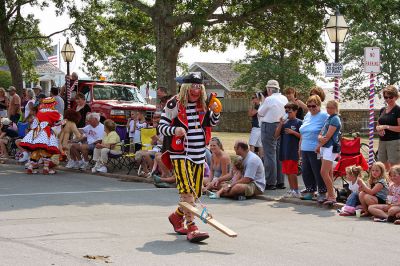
(41, 140)
(186, 124)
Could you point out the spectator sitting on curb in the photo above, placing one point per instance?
(220, 166)
(377, 189)
(253, 181)
(236, 174)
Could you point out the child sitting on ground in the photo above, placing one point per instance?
(236, 173)
(353, 173)
(377, 190)
(387, 212)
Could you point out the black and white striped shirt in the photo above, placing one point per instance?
(194, 142)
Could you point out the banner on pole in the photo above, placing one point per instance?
(333, 70)
(372, 60)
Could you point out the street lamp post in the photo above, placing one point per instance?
(67, 53)
(337, 28)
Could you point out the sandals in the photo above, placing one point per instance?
(329, 202)
(365, 214)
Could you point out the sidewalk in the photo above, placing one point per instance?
(269, 195)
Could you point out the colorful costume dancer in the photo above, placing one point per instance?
(41, 140)
(186, 123)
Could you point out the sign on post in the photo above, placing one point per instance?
(333, 70)
(372, 60)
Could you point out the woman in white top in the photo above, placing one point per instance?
(30, 96)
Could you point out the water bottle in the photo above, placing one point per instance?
(241, 198)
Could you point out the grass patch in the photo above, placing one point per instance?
(228, 140)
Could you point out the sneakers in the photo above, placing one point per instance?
(194, 235)
(288, 194)
(24, 158)
(380, 220)
(102, 169)
(177, 223)
(72, 164)
(321, 198)
(292, 194)
(83, 165)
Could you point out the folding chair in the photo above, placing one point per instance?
(119, 160)
(146, 141)
(349, 155)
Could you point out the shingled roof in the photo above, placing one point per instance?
(45, 67)
(223, 73)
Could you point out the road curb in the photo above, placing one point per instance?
(121, 177)
(299, 202)
(132, 178)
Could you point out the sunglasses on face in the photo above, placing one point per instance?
(311, 106)
(388, 97)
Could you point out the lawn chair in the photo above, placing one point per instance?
(349, 155)
(120, 160)
(11, 146)
(145, 137)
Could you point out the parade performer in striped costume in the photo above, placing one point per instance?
(186, 123)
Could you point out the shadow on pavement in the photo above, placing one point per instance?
(179, 245)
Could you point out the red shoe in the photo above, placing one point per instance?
(194, 235)
(177, 223)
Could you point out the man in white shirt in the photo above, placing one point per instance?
(93, 132)
(270, 112)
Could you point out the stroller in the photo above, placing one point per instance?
(350, 155)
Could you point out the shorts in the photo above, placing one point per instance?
(189, 176)
(290, 167)
(252, 190)
(381, 201)
(255, 137)
(389, 151)
(15, 118)
(327, 154)
(91, 147)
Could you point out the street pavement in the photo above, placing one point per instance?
(75, 218)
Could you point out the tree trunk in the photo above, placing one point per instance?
(167, 50)
(12, 59)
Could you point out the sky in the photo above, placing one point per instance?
(50, 23)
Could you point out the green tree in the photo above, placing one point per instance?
(285, 69)
(287, 53)
(117, 39)
(174, 24)
(5, 79)
(373, 23)
(19, 36)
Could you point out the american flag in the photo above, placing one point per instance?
(53, 56)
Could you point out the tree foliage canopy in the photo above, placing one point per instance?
(117, 39)
(19, 37)
(373, 23)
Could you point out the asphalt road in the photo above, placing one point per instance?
(58, 220)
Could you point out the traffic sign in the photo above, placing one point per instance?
(372, 60)
(333, 70)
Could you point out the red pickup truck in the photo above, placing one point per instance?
(114, 100)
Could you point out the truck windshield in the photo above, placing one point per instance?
(117, 92)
